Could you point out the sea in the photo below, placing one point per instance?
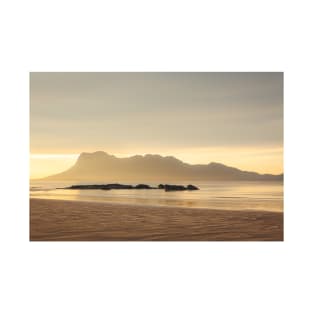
(229, 195)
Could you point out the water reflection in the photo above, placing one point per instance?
(214, 195)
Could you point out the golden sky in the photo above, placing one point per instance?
(231, 118)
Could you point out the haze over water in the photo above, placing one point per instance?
(203, 124)
(247, 195)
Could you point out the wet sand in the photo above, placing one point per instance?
(60, 220)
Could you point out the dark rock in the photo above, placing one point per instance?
(139, 186)
(102, 187)
(86, 187)
(192, 187)
(106, 188)
(119, 186)
(143, 186)
(174, 188)
(179, 187)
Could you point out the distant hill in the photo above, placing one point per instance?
(101, 166)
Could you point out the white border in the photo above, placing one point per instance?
(155, 36)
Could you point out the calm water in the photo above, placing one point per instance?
(214, 195)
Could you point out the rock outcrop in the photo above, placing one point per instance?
(166, 187)
(179, 187)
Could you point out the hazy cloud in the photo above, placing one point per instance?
(70, 110)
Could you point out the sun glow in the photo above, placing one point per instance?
(42, 165)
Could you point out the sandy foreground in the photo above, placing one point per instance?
(58, 220)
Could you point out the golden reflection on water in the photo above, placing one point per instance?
(214, 195)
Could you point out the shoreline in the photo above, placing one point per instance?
(71, 220)
(154, 206)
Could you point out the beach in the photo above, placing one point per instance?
(63, 220)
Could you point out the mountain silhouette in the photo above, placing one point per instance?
(152, 167)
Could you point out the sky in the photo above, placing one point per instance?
(231, 118)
